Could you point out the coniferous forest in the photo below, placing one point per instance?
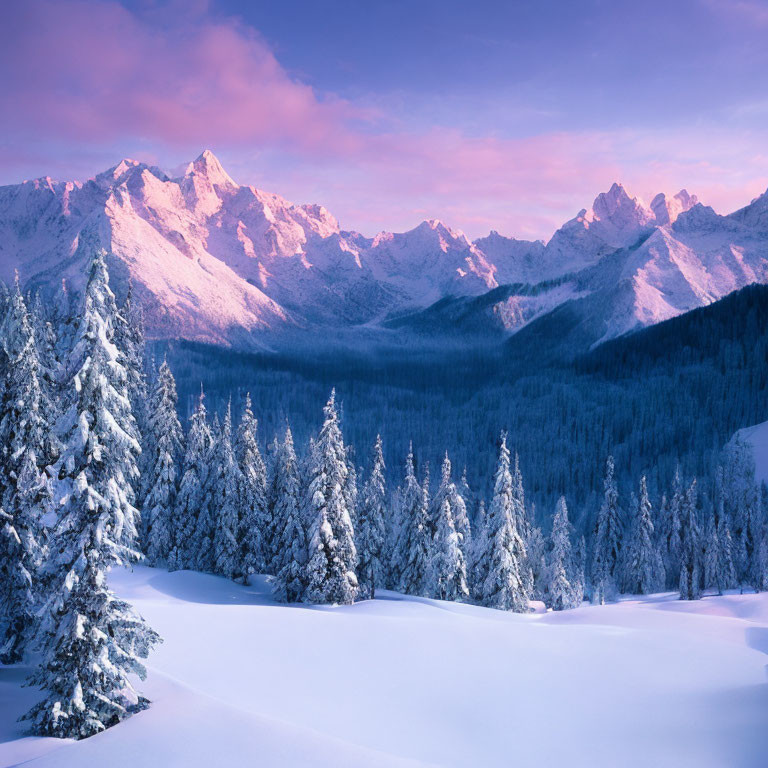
(105, 466)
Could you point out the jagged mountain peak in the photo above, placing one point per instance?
(208, 166)
(667, 209)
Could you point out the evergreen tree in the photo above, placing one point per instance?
(670, 534)
(92, 642)
(163, 451)
(225, 504)
(189, 499)
(504, 587)
(415, 547)
(690, 554)
(562, 588)
(252, 495)
(370, 529)
(205, 527)
(535, 568)
(643, 573)
(607, 545)
(129, 336)
(447, 490)
(332, 561)
(478, 567)
(448, 574)
(24, 422)
(291, 542)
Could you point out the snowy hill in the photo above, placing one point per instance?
(219, 262)
(408, 681)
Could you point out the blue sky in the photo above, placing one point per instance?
(509, 115)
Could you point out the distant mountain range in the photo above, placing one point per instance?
(218, 262)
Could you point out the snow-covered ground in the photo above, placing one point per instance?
(400, 681)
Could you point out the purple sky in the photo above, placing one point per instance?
(503, 115)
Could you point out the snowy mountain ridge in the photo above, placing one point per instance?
(216, 261)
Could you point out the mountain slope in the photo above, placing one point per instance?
(218, 262)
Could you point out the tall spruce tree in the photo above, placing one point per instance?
(643, 566)
(413, 550)
(478, 563)
(370, 530)
(690, 553)
(190, 497)
(332, 560)
(290, 532)
(562, 588)
(92, 642)
(252, 495)
(448, 572)
(607, 545)
(504, 587)
(163, 451)
(447, 490)
(225, 505)
(670, 534)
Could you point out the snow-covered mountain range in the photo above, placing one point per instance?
(215, 261)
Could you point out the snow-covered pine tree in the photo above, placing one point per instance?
(690, 553)
(22, 551)
(290, 531)
(448, 490)
(25, 417)
(643, 566)
(226, 546)
(205, 527)
(370, 530)
(189, 499)
(580, 570)
(129, 336)
(470, 500)
(670, 538)
(562, 588)
(607, 544)
(535, 568)
(252, 494)
(92, 642)
(742, 507)
(448, 572)
(332, 560)
(163, 452)
(415, 542)
(504, 587)
(712, 556)
(478, 565)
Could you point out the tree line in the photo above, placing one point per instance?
(90, 435)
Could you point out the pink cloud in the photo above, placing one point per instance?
(95, 71)
(89, 77)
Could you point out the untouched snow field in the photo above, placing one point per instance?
(404, 681)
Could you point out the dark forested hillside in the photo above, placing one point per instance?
(675, 391)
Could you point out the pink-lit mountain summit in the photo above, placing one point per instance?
(215, 261)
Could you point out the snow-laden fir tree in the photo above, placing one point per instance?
(163, 451)
(580, 571)
(290, 537)
(447, 490)
(643, 566)
(690, 552)
(414, 548)
(743, 509)
(535, 568)
(607, 542)
(129, 336)
(92, 643)
(332, 560)
(711, 558)
(448, 570)
(252, 494)
(370, 530)
(469, 497)
(478, 562)
(563, 590)
(504, 587)
(190, 497)
(22, 551)
(202, 538)
(670, 535)
(225, 504)
(26, 418)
